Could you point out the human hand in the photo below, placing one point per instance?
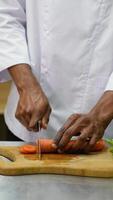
(33, 105)
(88, 127)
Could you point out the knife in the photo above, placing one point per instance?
(38, 143)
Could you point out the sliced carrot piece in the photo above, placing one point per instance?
(28, 149)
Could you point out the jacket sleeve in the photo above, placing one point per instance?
(13, 43)
(109, 85)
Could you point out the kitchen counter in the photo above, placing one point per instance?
(53, 187)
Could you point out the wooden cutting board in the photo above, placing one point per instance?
(95, 165)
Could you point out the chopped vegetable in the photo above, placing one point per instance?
(110, 142)
(47, 146)
(28, 149)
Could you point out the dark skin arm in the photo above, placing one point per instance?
(90, 125)
(33, 105)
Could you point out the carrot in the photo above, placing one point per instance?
(28, 149)
(47, 147)
(99, 146)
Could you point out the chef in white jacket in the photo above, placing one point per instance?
(59, 54)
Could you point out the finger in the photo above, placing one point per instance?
(20, 118)
(27, 118)
(33, 122)
(68, 134)
(75, 130)
(67, 124)
(92, 142)
(82, 140)
(45, 119)
(24, 123)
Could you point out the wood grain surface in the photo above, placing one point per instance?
(4, 91)
(94, 165)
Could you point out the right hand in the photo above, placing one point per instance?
(33, 105)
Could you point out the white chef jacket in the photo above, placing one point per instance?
(69, 46)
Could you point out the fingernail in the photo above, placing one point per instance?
(54, 146)
(44, 126)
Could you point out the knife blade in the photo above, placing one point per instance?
(39, 145)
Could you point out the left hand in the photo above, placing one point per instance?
(88, 127)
